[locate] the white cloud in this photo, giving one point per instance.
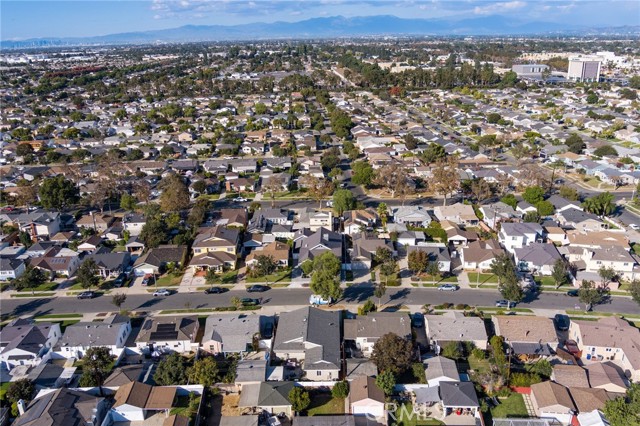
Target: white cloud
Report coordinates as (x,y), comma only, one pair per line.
(494,8)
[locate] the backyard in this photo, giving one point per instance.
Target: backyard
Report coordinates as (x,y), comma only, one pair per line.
(402,417)
(513,406)
(322,404)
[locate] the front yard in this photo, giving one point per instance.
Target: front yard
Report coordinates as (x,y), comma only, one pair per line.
(283,276)
(168,280)
(482,278)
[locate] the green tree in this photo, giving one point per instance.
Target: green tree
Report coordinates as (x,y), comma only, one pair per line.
(153,233)
(560,273)
(634,290)
(589,294)
(575,144)
(418,261)
(533,195)
(266,265)
(24,149)
(569,193)
(21,389)
(511,290)
(393,353)
(204,372)
(452,351)
(30,279)
(601,204)
(607,275)
(171,371)
(58,193)
(96,366)
(592,98)
(128,202)
(386,381)
(175,195)
(544,208)
(299,399)
(433,153)
(325,278)
(25,239)
(624,410)
(383,213)
(363,173)
(118,299)
(542,367)
(340,390)
(605,150)
(510,200)
(87,273)
(343,200)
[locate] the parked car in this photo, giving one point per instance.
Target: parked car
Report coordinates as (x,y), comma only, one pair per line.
(316,300)
(86,295)
(267,332)
(329,203)
(119,282)
(634,226)
(447,287)
(215,290)
(146,279)
(161,292)
(573,293)
(505,304)
(240,200)
(562,322)
(248,301)
(257,288)
(418,320)
(572,347)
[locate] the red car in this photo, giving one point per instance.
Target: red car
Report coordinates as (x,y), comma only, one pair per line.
(572,347)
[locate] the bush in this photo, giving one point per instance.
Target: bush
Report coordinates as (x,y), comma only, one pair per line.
(478,353)
(417,369)
(524,380)
(340,390)
(368,306)
(504,392)
(462,306)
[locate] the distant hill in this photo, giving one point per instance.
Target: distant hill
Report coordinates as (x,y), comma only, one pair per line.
(329,27)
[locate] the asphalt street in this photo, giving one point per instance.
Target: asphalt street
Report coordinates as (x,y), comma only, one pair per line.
(284,297)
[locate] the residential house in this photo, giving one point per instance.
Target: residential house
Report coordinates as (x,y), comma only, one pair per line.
(111,333)
(156,259)
(111,264)
(366,398)
(364,250)
(125,374)
(457,236)
(99,222)
(278,251)
(499,212)
(137,402)
(524,208)
(365,330)
(311,335)
(91,244)
(480,254)
(252,371)
(609,339)
(458,213)
(216,239)
(570,375)
(410,238)
(580,220)
(436,252)
(272,397)
(23,342)
(317,243)
(11,269)
(355,221)
(556,235)
(529,337)
(230,333)
(459,397)
(39,224)
(58,261)
(553,401)
(517,235)
(133,223)
(321,219)
(538,258)
(264,219)
(606,375)
(455,327)
(64,407)
(440,369)
(561,204)
(588,400)
(232,218)
(615,257)
(160,335)
(412,215)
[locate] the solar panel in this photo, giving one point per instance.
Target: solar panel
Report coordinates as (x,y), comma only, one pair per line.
(164,335)
(166,327)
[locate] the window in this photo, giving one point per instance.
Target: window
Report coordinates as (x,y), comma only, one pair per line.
(318,373)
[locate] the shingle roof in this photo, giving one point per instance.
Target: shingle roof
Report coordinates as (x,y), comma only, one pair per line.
(364,387)
(441,367)
(458,394)
(549,393)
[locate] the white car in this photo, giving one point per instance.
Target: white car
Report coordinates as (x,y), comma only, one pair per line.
(240,200)
(161,292)
(329,203)
(634,227)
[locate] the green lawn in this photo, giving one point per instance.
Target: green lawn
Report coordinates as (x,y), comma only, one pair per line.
(482,278)
(169,280)
(50,286)
(278,277)
(54,316)
(451,279)
(323,404)
(546,281)
(226,278)
(513,406)
(400,418)
(480,365)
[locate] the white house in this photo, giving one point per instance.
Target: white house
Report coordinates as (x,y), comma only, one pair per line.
(111,333)
(168,334)
(366,330)
(26,343)
(518,235)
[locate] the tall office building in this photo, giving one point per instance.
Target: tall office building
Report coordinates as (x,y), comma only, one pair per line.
(584,68)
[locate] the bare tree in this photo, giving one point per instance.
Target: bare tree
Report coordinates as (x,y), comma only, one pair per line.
(317,188)
(272,186)
(445,178)
(395,179)
(480,189)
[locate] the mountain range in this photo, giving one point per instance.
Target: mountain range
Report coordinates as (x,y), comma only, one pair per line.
(329,27)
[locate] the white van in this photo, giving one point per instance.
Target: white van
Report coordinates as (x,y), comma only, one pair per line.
(317,300)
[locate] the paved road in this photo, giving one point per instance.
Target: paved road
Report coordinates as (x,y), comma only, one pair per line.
(295,297)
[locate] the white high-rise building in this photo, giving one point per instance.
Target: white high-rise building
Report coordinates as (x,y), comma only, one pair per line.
(584,68)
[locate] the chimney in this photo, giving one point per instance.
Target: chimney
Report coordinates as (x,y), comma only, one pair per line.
(21,406)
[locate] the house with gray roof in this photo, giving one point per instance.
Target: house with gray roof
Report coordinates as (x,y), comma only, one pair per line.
(412,215)
(308,246)
(111,333)
(459,396)
(64,407)
(230,333)
(580,220)
(23,342)
(111,264)
(153,261)
(561,204)
(436,252)
(364,250)
(537,258)
(312,336)
(517,235)
(440,369)
(272,397)
(498,212)
(366,330)
(455,327)
(168,334)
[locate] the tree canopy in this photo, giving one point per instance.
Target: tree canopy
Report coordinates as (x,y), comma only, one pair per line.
(58,193)
(393,353)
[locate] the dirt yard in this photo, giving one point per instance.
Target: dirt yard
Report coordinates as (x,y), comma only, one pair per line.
(230,405)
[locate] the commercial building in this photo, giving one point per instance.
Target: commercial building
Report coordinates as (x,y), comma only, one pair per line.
(584,68)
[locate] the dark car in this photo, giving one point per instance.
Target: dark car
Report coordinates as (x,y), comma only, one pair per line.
(258,288)
(215,290)
(572,293)
(572,347)
(248,301)
(418,320)
(86,295)
(119,282)
(267,333)
(562,322)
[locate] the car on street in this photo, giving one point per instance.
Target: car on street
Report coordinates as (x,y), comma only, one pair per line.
(248,301)
(86,295)
(257,288)
(562,322)
(161,292)
(447,287)
(572,347)
(240,200)
(505,304)
(317,300)
(215,290)
(573,293)
(634,226)
(418,320)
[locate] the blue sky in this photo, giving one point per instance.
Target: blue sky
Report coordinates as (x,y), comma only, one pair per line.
(22,19)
